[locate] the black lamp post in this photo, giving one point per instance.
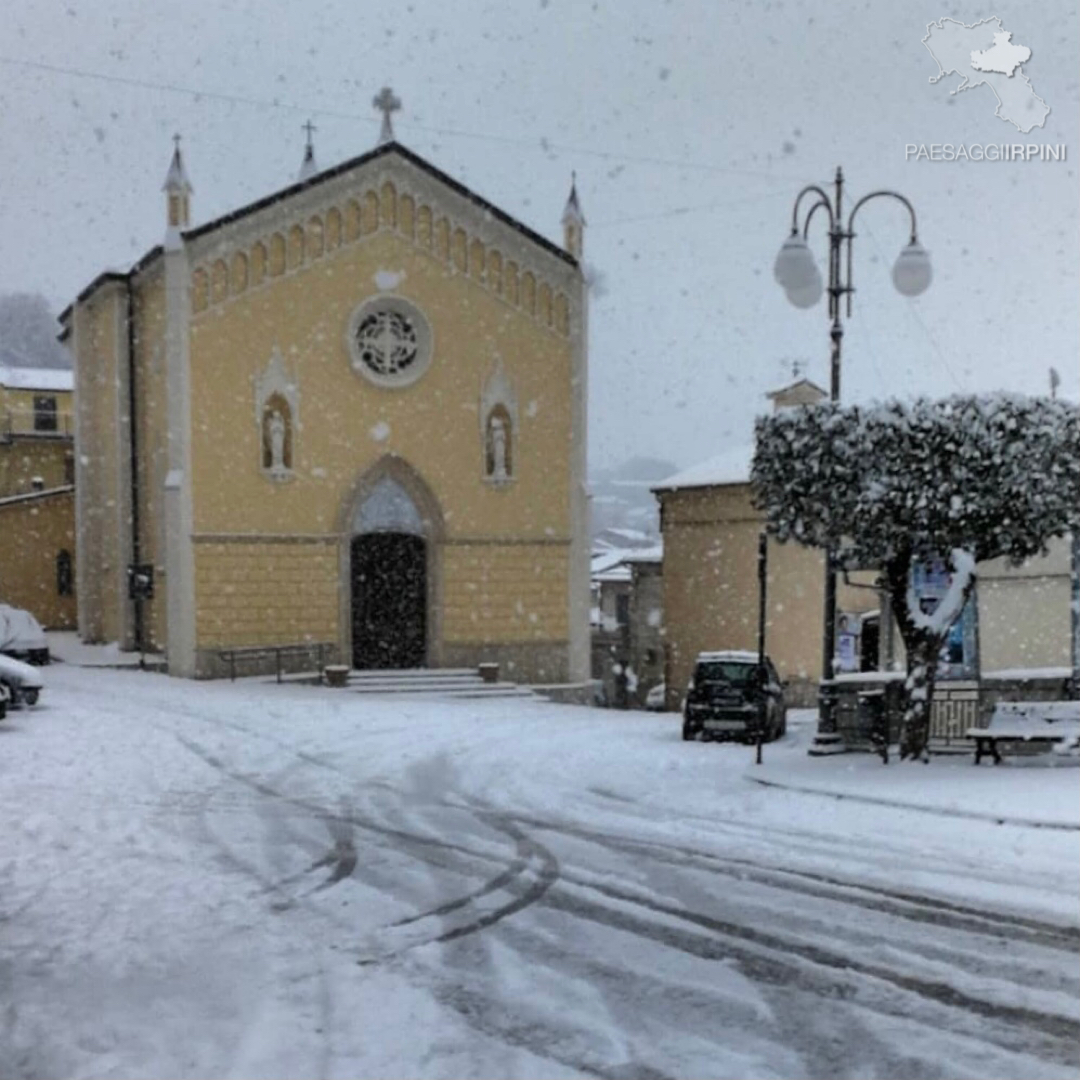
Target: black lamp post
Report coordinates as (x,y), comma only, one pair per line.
(798,273)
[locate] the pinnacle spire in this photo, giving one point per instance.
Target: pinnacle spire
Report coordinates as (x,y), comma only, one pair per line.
(572,212)
(177,188)
(176,179)
(573,222)
(308,168)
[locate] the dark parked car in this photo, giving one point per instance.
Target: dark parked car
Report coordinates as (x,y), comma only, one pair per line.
(725,694)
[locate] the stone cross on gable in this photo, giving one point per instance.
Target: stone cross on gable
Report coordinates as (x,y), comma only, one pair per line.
(387,102)
(310,128)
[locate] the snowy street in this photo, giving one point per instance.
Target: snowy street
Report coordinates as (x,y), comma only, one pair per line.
(258,880)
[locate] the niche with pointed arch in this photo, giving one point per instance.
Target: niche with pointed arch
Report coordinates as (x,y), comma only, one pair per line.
(498,428)
(277,405)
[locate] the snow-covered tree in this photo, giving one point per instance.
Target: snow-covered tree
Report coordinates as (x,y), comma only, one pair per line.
(959,480)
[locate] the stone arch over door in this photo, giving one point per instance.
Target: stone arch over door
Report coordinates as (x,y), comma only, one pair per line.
(392,499)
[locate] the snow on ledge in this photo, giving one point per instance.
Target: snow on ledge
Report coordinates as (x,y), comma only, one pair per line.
(1029,673)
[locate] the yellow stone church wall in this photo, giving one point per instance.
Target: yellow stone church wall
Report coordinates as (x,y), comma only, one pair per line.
(266,593)
(505,593)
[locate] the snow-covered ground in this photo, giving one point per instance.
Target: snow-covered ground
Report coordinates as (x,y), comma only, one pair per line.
(259,880)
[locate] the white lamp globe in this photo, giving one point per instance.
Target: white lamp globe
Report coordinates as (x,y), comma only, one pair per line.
(806,296)
(795,267)
(911,272)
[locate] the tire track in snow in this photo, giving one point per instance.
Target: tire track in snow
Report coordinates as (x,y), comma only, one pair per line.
(908,905)
(526,879)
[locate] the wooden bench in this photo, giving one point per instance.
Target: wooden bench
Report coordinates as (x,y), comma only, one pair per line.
(1026,721)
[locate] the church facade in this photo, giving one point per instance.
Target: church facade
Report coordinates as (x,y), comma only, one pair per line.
(353,413)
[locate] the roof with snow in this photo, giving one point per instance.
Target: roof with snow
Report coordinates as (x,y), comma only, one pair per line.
(27,378)
(798,385)
(373,155)
(730,467)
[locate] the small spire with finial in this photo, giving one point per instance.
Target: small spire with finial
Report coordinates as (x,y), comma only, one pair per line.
(177,188)
(573,221)
(308,168)
(387,102)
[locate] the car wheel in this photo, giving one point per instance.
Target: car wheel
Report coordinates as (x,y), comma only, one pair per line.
(7,692)
(688,733)
(31,696)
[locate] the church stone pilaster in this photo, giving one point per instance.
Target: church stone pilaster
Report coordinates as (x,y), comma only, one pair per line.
(179,551)
(581,540)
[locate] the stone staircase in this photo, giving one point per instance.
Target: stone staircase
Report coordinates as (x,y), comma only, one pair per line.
(434,683)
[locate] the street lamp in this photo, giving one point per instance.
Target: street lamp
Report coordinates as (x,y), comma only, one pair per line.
(798,274)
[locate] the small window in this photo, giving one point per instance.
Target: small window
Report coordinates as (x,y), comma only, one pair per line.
(69,468)
(65,585)
(622,609)
(44,412)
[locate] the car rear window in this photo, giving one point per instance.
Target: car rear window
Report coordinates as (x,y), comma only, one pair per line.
(734,672)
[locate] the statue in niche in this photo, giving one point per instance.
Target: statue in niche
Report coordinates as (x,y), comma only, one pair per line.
(498,445)
(277,437)
(277,441)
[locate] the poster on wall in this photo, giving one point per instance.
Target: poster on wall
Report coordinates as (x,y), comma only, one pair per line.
(958,658)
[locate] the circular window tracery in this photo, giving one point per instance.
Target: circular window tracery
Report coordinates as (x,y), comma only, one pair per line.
(389,341)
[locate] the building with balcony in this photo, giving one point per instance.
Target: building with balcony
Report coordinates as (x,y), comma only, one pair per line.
(37,500)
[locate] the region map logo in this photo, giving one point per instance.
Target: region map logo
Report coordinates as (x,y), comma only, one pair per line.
(984,54)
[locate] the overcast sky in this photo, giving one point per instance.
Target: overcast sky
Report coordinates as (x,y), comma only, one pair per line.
(691,126)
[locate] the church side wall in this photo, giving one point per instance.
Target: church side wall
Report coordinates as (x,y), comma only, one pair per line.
(98,323)
(151,435)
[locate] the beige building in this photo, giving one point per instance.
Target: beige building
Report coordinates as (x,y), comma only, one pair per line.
(710,531)
(36,429)
(37,509)
(352,412)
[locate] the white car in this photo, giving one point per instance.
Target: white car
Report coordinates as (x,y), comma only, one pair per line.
(21,636)
(21,682)
(654,699)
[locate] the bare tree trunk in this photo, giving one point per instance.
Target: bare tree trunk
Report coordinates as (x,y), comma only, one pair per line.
(922,660)
(923,646)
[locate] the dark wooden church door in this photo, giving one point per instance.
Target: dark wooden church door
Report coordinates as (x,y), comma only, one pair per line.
(389,600)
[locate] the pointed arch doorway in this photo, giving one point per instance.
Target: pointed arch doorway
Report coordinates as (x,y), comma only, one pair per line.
(392,570)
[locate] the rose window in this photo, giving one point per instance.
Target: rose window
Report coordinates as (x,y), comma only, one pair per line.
(389,341)
(386,342)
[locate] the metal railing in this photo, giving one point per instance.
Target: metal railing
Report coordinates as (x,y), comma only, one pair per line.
(317,649)
(41,425)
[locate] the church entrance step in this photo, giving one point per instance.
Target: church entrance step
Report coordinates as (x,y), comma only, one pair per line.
(432,682)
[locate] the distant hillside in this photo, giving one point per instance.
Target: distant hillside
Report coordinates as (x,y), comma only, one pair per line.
(622,499)
(28,332)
